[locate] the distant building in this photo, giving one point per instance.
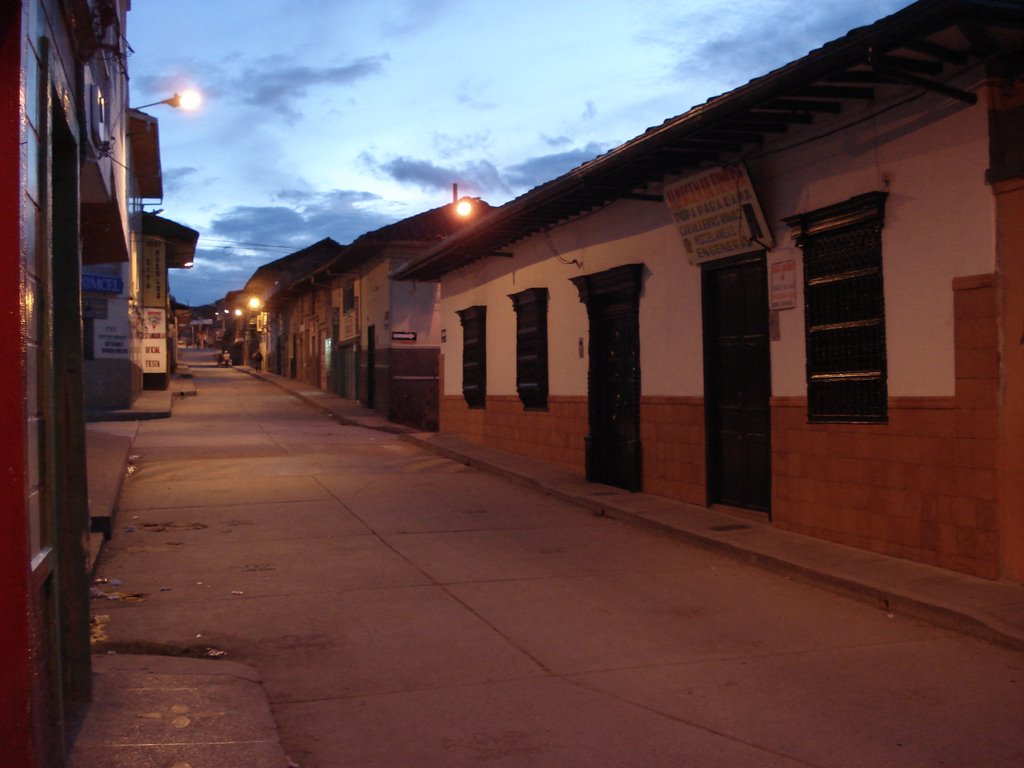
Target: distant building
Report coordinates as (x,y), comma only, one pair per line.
(801,300)
(346,328)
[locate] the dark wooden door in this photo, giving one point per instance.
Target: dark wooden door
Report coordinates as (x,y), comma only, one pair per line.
(371,367)
(615,428)
(738,384)
(613,442)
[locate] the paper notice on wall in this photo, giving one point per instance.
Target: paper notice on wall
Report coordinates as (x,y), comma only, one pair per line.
(782,284)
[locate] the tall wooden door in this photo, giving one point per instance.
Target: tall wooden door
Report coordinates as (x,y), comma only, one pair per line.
(737,373)
(371,367)
(613,443)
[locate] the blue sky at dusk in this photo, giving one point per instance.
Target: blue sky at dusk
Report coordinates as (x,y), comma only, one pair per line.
(330,118)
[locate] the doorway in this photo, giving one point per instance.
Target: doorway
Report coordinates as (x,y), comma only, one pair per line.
(737,382)
(371,366)
(613,454)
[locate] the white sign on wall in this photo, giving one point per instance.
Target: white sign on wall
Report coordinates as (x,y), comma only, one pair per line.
(154,322)
(154,355)
(782,284)
(717,214)
(110,337)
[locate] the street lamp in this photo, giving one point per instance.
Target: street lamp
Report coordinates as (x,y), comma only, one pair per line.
(187,100)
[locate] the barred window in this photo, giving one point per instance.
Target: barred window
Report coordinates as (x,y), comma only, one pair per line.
(474,355)
(531,308)
(844,310)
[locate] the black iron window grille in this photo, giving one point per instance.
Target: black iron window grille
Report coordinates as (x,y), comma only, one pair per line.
(531,308)
(844,310)
(474,355)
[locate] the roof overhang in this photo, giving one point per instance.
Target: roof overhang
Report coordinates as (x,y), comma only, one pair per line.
(144,141)
(180,241)
(104,239)
(920,47)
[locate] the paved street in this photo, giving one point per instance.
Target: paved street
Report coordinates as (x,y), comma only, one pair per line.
(407,610)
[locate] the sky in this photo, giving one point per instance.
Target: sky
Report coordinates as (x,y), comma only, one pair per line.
(332,118)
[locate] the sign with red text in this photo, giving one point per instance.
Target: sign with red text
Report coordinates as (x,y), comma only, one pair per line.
(782,285)
(717,214)
(154,355)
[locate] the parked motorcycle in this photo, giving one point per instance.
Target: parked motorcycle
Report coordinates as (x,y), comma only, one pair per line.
(224,359)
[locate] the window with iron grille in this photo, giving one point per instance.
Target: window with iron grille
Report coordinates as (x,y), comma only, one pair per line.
(474,355)
(531,308)
(844,310)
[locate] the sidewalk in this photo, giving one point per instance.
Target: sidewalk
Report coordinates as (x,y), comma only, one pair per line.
(162,710)
(108,440)
(990,610)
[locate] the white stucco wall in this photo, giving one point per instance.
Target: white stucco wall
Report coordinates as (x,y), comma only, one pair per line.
(930,153)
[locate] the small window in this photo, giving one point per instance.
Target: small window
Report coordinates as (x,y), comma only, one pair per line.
(348,298)
(531,308)
(844,310)
(474,355)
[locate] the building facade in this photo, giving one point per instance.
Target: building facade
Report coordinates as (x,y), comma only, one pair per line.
(799,300)
(345,327)
(62,89)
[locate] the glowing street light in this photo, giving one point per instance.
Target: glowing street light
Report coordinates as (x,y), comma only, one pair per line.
(463,208)
(188,100)
(254,303)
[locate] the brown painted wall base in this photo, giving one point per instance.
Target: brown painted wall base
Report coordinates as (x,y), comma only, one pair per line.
(921,487)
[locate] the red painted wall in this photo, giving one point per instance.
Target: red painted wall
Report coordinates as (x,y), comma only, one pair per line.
(15,740)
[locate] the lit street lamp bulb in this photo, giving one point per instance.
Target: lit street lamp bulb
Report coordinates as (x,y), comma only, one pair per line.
(189,100)
(238,313)
(463,208)
(255,303)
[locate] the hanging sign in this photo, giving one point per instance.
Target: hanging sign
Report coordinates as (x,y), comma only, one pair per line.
(102,284)
(154,273)
(717,214)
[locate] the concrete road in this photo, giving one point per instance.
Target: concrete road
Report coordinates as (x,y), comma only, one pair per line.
(405,610)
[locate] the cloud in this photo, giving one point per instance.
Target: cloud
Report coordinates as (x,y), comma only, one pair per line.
(243,238)
(483,177)
(415,16)
(277,83)
(478,175)
(446,145)
(470,94)
(301,219)
(538,170)
(768,33)
(175,179)
(217,271)
(274,84)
